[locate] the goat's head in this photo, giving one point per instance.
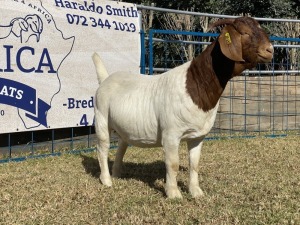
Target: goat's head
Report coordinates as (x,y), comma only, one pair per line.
(243,40)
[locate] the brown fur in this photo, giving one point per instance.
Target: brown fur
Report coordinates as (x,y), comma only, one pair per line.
(209,73)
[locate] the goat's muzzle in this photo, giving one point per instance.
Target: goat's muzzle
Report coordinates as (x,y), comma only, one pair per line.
(266,54)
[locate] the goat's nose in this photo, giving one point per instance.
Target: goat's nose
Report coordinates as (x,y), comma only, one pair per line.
(270,49)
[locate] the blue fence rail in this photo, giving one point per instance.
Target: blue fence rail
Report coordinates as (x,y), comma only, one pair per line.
(166,37)
(265,100)
(23,145)
(171,32)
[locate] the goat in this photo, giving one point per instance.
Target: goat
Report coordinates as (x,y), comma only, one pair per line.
(178,105)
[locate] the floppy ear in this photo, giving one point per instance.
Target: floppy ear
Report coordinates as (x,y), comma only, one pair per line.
(231,45)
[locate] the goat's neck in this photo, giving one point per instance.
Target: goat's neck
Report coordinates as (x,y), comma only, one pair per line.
(208,75)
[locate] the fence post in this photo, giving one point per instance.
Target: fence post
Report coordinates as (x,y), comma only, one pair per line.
(151,51)
(143,53)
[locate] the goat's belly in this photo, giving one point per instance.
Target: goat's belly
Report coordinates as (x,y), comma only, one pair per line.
(144,143)
(138,135)
(141,141)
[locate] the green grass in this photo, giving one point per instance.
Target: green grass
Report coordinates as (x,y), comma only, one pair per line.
(246,181)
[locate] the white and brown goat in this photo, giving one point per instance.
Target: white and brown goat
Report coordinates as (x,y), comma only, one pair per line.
(178,105)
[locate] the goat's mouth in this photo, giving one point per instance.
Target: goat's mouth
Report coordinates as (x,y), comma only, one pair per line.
(265,57)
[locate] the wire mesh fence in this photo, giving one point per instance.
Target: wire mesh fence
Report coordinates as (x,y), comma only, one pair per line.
(264,100)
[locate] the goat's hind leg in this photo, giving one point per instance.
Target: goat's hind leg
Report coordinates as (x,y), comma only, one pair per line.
(117,167)
(103,145)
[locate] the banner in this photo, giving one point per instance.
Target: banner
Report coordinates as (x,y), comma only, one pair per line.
(47,77)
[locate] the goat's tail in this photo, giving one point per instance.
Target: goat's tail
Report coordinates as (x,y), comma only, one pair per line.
(102,73)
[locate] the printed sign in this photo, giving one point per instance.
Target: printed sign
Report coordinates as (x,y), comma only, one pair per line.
(47,77)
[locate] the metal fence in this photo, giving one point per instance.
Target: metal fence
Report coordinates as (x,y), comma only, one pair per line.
(263,101)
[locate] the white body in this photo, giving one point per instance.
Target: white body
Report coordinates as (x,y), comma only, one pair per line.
(141,109)
(150,111)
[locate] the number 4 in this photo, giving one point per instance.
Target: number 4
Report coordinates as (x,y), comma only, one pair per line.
(83,120)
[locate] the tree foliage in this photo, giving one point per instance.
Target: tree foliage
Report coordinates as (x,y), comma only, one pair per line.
(287,9)
(256,8)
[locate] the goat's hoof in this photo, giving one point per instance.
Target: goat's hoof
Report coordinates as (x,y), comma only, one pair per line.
(173,193)
(106,181)
(116,174)
(196,192)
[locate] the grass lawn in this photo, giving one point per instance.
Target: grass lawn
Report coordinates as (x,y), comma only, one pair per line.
(245,181)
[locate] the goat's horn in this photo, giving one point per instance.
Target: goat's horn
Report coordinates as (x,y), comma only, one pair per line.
(221,22)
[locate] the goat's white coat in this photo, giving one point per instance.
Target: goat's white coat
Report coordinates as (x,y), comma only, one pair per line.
(158,111)
(149,111)
(141,108)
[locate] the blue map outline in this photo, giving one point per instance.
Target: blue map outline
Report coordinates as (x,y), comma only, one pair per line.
(72,37)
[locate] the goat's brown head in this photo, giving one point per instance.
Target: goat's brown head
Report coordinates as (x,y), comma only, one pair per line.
(243,40)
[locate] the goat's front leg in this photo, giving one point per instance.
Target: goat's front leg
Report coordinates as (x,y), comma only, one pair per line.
(172,165)
(194,147)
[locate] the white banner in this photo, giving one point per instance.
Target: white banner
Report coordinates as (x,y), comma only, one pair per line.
(47,77)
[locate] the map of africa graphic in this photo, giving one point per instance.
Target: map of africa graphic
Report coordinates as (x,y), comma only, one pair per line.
(32,51)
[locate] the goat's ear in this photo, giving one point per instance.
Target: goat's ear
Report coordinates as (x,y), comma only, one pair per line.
(231,45)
